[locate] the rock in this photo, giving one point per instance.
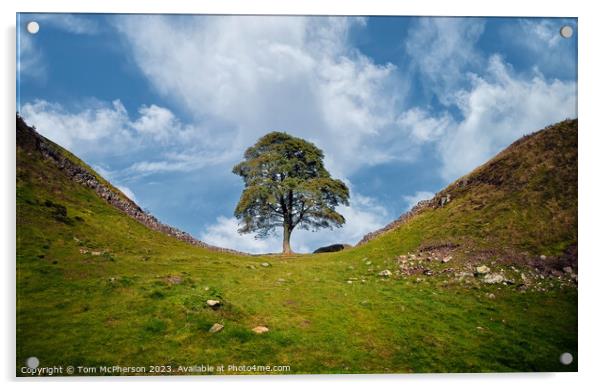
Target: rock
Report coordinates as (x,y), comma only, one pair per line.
(95,253)
(483,270)
(174,280)
(112,280)
(493,278)
(260,329)
(368,263)
(462,275)
(214,304)
(446,259)
(280,280)
(427,272)
(490,296)
(543,257)
(265,264)
(83,251)
(568,270)
(216,328)
(445,199)
(332,248)
(350,282)
(385,273)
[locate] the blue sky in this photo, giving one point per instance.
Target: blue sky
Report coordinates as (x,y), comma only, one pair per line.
(164,106)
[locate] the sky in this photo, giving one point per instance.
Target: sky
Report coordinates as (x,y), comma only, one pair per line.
(164,106)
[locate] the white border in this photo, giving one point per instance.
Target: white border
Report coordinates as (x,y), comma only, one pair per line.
(590,194)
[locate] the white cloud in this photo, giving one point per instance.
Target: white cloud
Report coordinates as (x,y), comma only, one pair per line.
(540,31)
(223,233)
(411,200)
(258,74)
(423,127)
(363,215)
(442,50)
(493,104)
(87,129)
(499,108)
(129,193)
(106,130)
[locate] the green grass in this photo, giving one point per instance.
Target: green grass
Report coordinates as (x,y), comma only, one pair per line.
(121,307)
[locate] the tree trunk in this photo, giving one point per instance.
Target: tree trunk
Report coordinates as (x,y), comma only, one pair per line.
(286,240)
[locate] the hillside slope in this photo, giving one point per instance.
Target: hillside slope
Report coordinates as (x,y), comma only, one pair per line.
(96,287)
(37,147)
(522,203)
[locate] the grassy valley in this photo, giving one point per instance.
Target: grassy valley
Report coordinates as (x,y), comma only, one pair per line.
(96,287)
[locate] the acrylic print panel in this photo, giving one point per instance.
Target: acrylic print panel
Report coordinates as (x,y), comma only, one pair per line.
(295,195)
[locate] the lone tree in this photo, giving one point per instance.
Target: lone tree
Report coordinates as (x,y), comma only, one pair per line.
(287,185)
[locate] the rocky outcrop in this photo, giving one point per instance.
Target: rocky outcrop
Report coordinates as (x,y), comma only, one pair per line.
(29,138)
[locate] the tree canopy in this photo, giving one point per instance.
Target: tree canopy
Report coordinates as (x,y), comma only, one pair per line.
(287,185)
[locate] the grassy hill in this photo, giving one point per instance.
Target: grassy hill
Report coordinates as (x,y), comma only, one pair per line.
(96,287)
(521,204)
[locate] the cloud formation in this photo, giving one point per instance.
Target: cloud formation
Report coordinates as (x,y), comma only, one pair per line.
(495,105)
(102,130)
(259,74)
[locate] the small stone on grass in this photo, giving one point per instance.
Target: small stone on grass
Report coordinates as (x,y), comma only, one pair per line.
(216,328)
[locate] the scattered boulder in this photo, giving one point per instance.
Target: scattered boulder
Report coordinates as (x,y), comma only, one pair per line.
(332,248)
(385,273)
(213,303)
(216,328)
(493,278)
(266,264)
(491,296)
(260,329)
(446,259)
(95,253)
(543,257)
(483,270)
